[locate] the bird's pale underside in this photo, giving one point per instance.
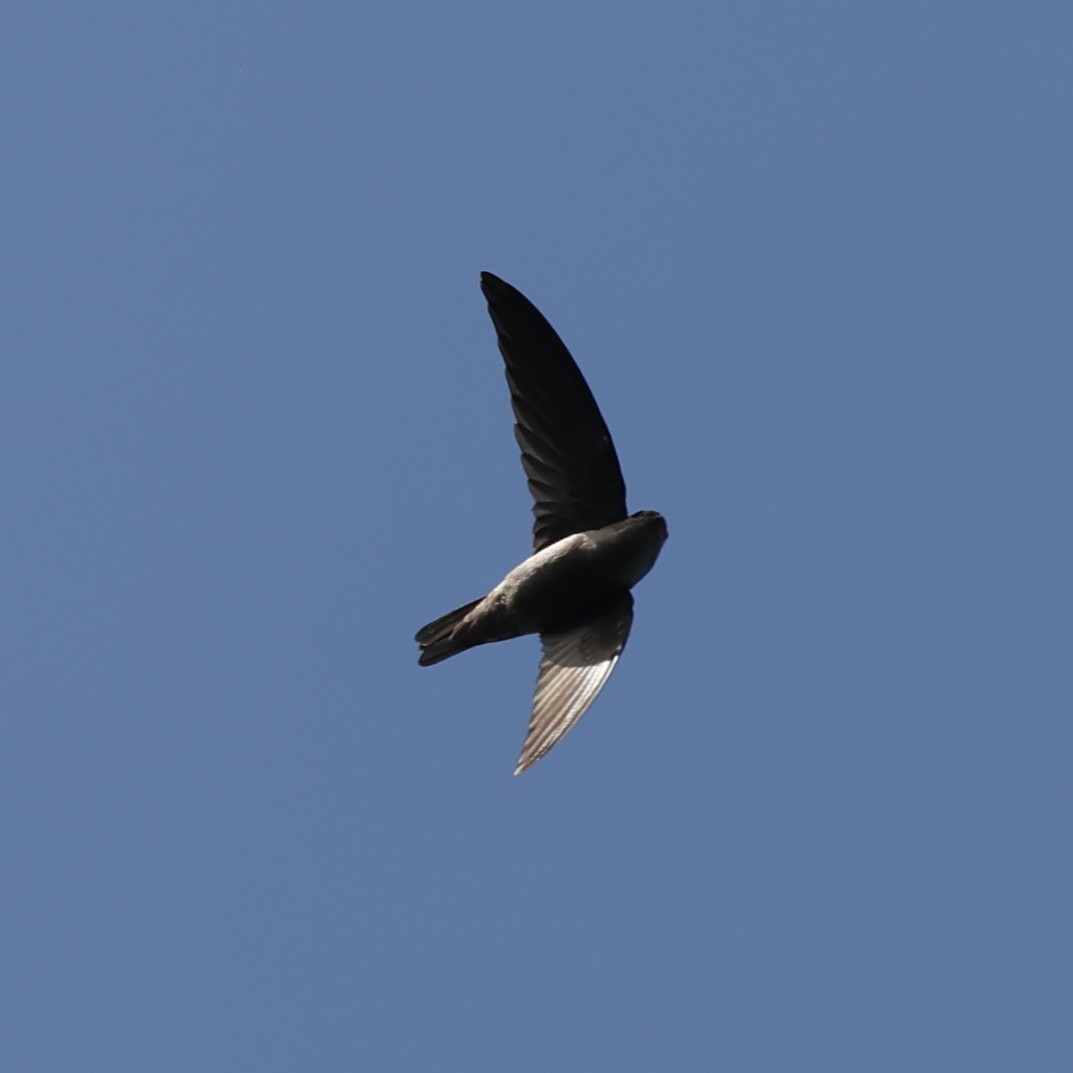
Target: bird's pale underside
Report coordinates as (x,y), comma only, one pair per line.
(574,591)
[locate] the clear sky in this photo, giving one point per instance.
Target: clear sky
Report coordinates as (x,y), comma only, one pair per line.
(815,261)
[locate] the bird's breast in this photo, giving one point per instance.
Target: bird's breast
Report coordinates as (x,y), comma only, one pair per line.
(555,584)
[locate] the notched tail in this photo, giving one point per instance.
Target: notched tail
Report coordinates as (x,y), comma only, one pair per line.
(438,641)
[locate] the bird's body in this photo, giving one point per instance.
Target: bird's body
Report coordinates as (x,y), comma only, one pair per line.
(575,589)
(557,587)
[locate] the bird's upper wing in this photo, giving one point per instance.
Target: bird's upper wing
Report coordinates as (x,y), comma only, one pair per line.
(567,452)
(575,665)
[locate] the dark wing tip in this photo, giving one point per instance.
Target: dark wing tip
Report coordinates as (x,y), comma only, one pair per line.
(496,289)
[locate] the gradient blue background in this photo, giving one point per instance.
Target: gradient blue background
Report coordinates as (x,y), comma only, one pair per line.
(815,261)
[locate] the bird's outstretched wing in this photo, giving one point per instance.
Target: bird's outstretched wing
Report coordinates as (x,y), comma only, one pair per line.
(575,665)
(567,452)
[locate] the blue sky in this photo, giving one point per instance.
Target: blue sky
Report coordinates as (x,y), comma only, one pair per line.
(815,262)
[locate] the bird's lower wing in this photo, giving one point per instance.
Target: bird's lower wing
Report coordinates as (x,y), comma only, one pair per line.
(575,665)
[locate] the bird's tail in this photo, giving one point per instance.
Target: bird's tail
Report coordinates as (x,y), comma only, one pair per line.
(438,640)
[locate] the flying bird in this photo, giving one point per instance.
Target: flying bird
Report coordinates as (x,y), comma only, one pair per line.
(574,590)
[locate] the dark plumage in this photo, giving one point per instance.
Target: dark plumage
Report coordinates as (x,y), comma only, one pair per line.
(588,553)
